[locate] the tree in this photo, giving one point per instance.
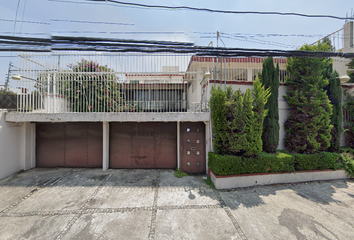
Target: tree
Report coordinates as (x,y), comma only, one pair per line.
(270,80)
(238,119)
(334,92)
(308,128)
(90,87)
(351,73)
(218,115)
(349,133)
(328,41)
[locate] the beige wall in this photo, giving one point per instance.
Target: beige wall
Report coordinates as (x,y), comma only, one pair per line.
(17,146)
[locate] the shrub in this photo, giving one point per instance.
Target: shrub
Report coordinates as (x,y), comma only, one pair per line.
(238,119)
(270,80)
(279,162)
(334,92)
(308,128)
(322,161)
(347,163)
(224,164)
(218,116)
(263,163)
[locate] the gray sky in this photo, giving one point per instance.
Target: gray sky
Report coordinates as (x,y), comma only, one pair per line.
(182,25)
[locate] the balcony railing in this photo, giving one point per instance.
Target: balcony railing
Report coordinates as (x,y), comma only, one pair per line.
(91,92)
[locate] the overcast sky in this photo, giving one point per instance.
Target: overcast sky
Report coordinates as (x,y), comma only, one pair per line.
(174,25)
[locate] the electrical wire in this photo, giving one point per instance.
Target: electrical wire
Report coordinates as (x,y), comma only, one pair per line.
(90,22)
(163,7)
(118,45)
(259,41)
(23,14)
(9,20)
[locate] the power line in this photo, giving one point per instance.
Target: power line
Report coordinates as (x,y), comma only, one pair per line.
(23,14)
(77,21)
(126,46)
(9,20)
(259,40)
(216,10)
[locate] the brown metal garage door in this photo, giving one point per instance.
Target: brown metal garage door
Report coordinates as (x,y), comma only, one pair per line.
(143,145)
(69,144)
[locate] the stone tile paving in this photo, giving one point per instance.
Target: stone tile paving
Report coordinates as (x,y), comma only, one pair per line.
(153,204)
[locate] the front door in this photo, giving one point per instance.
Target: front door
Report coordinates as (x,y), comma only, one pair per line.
(192,149)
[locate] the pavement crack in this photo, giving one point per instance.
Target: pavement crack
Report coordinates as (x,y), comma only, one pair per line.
(82,209)
(229,214)
(3,212)
(156,183)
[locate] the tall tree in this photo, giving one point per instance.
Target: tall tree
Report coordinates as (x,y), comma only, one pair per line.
(270,80)
(334,92)
(351,73)
(308,128)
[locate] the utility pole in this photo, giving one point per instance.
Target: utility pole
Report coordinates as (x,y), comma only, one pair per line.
(217,38)
(8,77)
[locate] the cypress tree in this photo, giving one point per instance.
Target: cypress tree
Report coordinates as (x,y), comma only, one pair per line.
(218,116)
(334,92)
(270,80)
(308,128)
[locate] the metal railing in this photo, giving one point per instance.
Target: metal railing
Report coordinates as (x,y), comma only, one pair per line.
(65,92)
(64,82)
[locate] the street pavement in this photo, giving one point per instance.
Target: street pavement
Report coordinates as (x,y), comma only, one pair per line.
(68,203)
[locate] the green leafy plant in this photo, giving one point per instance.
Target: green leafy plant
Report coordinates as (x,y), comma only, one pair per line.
(9,92)
(178,173)
(273,163)
(347,163)
(270,80)
(334,92)
(91,87)
(350,73)
(209,182)
(349,128)
(308,128)
(218,114)
(238,119)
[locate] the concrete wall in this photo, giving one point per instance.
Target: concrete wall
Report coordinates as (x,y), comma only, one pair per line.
(348,33)
(17,146)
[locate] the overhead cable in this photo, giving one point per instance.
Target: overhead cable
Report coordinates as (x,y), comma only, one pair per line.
(123,45)
(221,11)
(91,22)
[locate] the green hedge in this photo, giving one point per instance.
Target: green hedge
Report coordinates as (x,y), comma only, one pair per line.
(321,161)
(272,163)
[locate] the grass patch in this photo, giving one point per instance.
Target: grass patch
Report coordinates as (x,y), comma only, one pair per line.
(209,182)
(178,173)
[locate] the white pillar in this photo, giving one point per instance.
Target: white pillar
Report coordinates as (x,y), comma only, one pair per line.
(178,144)
(249,74)
(54,94)
(28,147)
(105,157)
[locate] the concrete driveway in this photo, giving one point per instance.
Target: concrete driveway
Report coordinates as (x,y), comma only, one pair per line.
(153,204)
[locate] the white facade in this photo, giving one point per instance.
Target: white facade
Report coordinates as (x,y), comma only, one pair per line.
(17,146)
